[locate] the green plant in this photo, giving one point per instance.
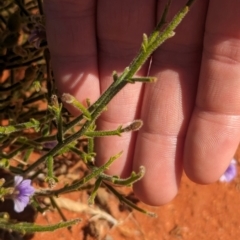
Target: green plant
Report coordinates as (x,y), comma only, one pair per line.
(50,130)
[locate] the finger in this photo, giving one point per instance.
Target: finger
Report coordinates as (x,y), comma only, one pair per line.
(167,107)
(71,39)
(214,132)
(121,25)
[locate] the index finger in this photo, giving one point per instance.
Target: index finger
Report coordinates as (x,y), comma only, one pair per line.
(70,27)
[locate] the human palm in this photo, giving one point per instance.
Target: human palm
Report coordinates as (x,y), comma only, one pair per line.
(191,114)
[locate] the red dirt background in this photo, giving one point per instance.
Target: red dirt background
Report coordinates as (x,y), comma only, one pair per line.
(198,212)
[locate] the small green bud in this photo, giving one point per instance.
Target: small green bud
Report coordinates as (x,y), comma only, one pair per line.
(2,181)
(115,76)
(54,102)
(4,163)
(66,97)
(37,86)
(52,181)
(134,126)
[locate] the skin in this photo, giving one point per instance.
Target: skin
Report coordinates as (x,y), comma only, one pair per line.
(191,114)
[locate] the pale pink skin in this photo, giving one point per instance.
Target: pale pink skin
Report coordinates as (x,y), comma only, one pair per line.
(191,114)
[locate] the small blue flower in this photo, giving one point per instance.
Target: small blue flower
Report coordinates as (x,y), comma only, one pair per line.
(22,193)
(50,145)
(230,173)
(37,35)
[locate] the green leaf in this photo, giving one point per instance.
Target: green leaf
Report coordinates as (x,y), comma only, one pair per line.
(25,227)
(4,163)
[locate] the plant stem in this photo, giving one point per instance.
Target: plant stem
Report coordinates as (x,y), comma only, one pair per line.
(40,6)
(117,85)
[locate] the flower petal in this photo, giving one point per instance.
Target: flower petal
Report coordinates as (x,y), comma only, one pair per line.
(17,180)
(19,205)
(23,199)
(25,183)
(32,37)
(230,172)
(29,191)
(50,145)
(25,188)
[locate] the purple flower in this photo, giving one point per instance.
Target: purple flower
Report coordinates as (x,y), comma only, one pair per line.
(50,145)
(37,35)
(230,173)
(22,193)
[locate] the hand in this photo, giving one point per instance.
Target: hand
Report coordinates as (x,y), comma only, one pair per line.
(191,114)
